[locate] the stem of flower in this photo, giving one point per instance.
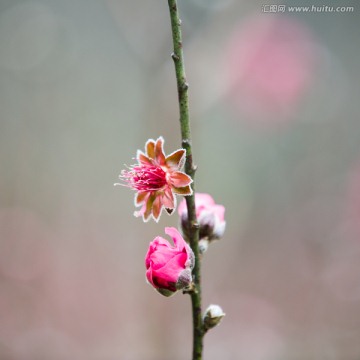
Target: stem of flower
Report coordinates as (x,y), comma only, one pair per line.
(182,87)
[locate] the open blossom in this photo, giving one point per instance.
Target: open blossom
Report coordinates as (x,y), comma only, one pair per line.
(156,178)
(168,268)
(211,218)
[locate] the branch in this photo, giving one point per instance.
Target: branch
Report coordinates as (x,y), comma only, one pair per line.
(182,87)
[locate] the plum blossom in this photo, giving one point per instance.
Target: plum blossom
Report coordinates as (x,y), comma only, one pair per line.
(211,218)
(168,268)
(156,179)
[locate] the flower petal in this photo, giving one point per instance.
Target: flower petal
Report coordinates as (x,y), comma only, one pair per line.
(143,159)
(156,208)
(159,152)
(140,197)
(150,148)
(178,240)
(149,276)
(168,199)
(219,211)
(176,160)
(148,207)
(179,179)
(170,272)
(161,256)
(186,190)
(203,199)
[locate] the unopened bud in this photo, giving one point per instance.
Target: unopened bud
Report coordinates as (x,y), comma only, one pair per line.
(213,316)
(210,217)
(168,267)
(211,226)
(203,245)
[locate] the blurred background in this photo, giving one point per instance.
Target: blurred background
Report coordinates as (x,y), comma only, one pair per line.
(276,137)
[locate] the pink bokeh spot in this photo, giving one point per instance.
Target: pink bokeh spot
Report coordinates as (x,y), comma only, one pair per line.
(270,63)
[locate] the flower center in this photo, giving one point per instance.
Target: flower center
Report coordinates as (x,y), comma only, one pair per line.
(145,178)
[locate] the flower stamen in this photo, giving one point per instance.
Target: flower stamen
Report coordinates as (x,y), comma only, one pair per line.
(145,178)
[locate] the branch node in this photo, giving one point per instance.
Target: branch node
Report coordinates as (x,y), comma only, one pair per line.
(186,142)
(184,86)
(191,289)
(195,225)
(175,57)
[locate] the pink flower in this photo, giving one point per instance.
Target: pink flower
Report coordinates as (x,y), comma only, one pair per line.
(168,268)
(156,178)
(210,217)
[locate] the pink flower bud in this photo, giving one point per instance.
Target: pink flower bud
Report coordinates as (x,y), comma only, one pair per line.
(169,267)
(210,217)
